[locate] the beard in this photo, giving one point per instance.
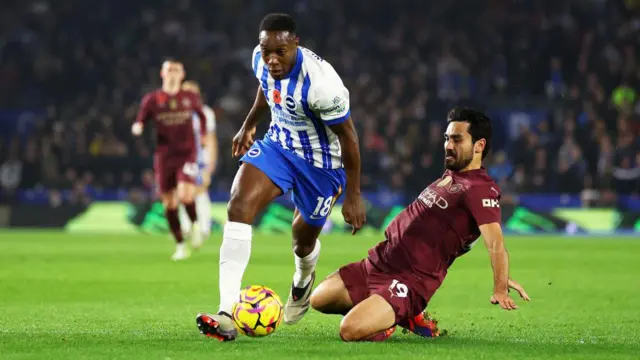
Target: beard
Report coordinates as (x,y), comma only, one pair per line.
(459,161)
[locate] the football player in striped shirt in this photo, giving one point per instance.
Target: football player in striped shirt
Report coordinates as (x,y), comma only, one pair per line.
(310,149)
(207,158)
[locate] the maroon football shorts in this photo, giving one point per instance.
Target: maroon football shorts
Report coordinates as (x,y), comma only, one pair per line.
(173,169)
(362,280)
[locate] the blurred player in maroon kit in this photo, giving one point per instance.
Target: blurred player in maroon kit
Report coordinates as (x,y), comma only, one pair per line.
(394,284)
(171,110)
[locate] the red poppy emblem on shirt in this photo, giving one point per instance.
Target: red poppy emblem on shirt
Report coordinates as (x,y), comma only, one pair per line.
(277,97)
(161,98)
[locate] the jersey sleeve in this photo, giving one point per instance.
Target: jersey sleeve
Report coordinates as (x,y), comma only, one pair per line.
(483,201)
(144,112)
(331,102)
(199,110)
(211,118)
(256,58)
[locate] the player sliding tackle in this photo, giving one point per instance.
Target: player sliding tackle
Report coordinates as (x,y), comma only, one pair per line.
(207,159)
(393,285)
(311,136)
(174,161)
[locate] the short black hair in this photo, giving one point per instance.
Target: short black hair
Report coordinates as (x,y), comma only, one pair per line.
(278,22)
(479,125)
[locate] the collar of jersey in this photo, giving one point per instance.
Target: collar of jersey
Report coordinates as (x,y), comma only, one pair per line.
(295,71)
(464,173)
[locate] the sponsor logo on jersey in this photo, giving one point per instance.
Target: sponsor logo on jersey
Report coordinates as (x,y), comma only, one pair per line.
(490,203)
(339,106)
(430,198)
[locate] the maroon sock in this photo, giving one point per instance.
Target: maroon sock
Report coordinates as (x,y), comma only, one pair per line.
(377,337)
(381,336)
(174,224)
(191,211)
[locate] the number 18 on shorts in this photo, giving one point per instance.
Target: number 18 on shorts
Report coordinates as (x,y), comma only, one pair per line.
(314,190)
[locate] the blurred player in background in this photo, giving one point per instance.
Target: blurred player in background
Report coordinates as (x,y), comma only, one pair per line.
(175,166)
(207,160)
(311,148)
(394,284)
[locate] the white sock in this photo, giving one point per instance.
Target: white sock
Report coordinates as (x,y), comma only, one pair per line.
(185,222)
(203,208)
(305,267)
(234,257)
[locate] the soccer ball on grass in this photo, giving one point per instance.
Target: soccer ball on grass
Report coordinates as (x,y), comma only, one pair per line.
(258,312)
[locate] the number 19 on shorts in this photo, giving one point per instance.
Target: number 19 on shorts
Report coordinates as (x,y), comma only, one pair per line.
(323,208)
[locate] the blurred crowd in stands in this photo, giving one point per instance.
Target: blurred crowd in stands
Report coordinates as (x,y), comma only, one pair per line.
(74,72)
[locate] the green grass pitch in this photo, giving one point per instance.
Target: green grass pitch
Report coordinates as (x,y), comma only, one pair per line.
(65,296)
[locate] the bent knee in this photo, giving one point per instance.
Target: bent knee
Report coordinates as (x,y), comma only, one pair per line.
(169,202)
(319,299)
(240,210)
(186,193)
(330,297)
(186,199)
(350,331)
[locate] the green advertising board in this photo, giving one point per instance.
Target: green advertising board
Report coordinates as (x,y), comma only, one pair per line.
(123,217)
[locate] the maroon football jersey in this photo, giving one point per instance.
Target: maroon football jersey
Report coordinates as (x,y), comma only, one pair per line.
(173,119)
(440,225)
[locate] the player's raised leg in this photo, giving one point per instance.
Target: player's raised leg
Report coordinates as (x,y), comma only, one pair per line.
(251,192)
(306,251)
(315,193)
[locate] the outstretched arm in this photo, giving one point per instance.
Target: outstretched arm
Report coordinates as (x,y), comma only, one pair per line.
(493,239)
(484,203)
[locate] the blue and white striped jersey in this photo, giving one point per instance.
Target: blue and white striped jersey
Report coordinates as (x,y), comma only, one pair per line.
(211,127)
(211,120)
(303,106)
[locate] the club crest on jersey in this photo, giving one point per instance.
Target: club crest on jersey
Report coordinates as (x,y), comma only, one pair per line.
(173,104)
(444,182)
(186,102)
(277,97)
(454,188)
(254,152)
(290,103)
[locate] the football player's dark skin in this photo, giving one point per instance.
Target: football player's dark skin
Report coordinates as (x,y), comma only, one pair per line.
(252,190)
